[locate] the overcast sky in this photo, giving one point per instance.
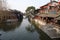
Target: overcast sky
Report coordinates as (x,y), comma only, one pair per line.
(23,4)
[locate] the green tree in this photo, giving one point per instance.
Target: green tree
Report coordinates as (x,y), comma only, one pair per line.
(30,11)
(30,8)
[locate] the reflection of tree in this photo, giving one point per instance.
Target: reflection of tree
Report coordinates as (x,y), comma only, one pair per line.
(30,28)
(11,26)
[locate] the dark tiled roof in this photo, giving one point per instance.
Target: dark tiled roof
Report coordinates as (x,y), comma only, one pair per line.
(47,4)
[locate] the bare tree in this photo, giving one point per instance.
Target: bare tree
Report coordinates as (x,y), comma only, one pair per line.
(3,5)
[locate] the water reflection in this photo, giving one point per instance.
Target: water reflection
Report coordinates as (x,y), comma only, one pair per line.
(42,35)
(25,31)
(30,28)
(9,26)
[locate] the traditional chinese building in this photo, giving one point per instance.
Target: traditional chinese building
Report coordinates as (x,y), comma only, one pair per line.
(5,13)
(51,7)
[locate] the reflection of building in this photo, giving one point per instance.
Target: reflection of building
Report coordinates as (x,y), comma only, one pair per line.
(10,26)
(51,7)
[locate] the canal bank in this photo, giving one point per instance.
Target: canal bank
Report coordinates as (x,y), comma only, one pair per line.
(51,31)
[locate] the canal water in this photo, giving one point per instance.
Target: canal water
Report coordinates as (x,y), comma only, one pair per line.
(18,31)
